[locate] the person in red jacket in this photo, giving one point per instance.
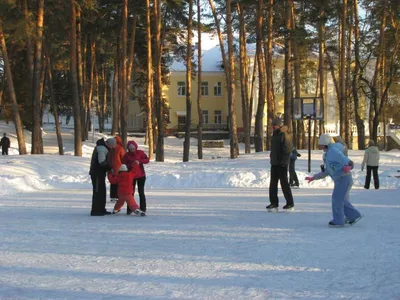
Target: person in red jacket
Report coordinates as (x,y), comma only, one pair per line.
(125,189)
(114,159)
(137,157)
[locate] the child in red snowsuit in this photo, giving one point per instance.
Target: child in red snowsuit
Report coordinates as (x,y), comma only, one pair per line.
(125,189)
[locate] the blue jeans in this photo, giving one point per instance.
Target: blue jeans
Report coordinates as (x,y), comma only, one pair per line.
(341,206)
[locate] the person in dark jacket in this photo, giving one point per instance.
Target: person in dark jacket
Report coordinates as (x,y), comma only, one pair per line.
(281,147)
(98,170)
(293,180)
(5,144)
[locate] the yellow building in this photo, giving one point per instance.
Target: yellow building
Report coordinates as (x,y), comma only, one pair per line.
(214,100)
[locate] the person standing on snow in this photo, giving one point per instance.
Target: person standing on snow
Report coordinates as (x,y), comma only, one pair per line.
(371,158)
(138,157)
(339,139)
(124,180)
(293,180)
(98,170)
(114,158)
(338,167)
(5,144)
(281,147)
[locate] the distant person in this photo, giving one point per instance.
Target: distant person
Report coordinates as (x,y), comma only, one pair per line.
(339,139)
(281,147)
(5,144)
(98,170)
(371,159)
(123,179)
(293,180)
(114,158)
(138,157)
(338,167)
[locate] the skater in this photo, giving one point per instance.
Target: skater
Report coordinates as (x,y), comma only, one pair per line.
(124,181)
(281,148)
(98,170)
(338,167)
(135,156)
(293,180)
(5,144)
(114,158)
(371,159)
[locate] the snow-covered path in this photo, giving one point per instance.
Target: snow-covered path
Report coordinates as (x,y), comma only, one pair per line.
(198,244)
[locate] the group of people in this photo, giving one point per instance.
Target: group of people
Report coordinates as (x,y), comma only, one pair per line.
(336,164)
(124,171)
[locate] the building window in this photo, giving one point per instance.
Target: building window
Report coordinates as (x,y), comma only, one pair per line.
(218,89)
(218,117)
(204,88)
(181,88)
(205,116)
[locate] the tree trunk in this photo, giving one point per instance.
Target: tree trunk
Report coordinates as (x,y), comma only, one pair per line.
(297,80)
(149,103)
(186,143)
(80,70)
(37,141)
(342,73)
(288,66)
(89,100)
(114,95)
(244,78)
(321,58)
(104,97)
(124,98)
(158,83)
(54,105)
(29,49)
(359,120)
(234,144)
(349,110)
(10,84)
(259,121)
(74,83)
(97,99)
(270,75)
(199,79)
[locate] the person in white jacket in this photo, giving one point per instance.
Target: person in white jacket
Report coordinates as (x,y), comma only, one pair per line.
(371,159)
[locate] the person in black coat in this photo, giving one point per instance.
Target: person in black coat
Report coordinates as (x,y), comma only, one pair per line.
(281,148)
(98,171)
(5,144)
(293,181)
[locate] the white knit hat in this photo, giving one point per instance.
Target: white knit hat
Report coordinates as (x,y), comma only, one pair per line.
(325,140)
(123,168)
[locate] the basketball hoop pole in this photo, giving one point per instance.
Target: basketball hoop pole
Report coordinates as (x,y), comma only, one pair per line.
(311,108)
(309,144)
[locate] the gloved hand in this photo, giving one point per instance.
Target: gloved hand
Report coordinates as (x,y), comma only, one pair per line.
(347,169)
(309,179)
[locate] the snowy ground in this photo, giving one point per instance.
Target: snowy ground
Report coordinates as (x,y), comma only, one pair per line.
(207,234)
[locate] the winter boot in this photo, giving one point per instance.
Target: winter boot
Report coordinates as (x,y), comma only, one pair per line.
(272,208)
(288,207)
(138,212)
